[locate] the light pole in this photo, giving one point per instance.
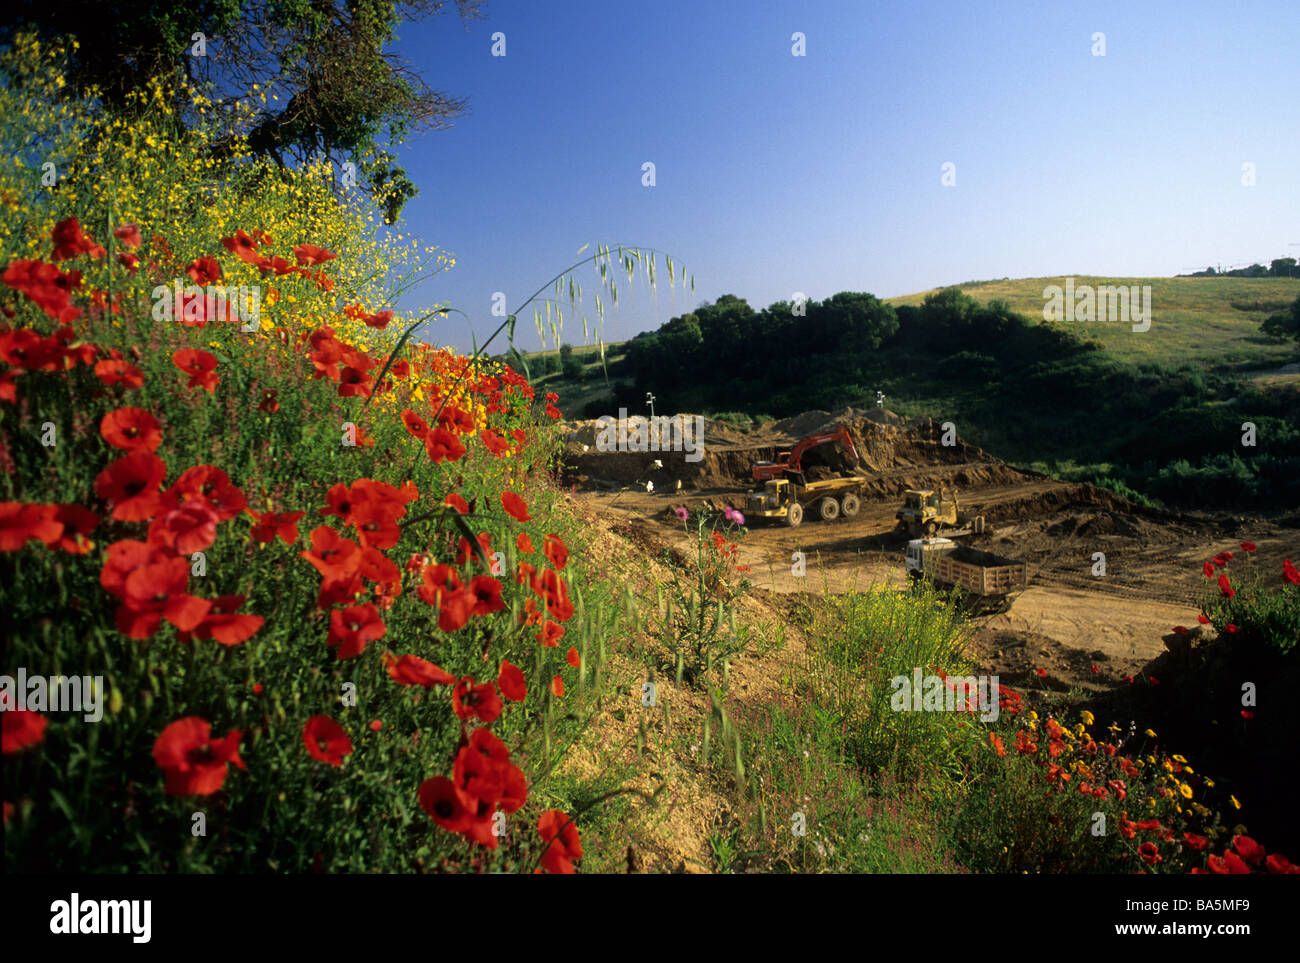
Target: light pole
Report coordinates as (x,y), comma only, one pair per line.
(650,400)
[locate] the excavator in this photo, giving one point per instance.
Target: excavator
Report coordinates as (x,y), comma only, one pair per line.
(790,464)
(785,490)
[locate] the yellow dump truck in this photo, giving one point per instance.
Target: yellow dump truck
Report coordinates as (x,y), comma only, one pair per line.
(788,500)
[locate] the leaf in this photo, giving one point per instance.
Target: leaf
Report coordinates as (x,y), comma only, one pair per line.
(581,249)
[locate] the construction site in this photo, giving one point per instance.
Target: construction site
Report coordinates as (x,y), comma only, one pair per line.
(1085,587)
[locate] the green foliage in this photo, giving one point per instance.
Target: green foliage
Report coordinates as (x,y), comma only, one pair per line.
(1265,621)
(340,94)
(1284,326)
(698,624)
(570,364)
(865,641)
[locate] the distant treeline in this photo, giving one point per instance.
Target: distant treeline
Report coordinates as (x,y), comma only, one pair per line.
(1282,267)
(1028,392)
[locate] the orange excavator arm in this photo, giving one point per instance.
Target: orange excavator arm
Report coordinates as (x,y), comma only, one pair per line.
(793,461)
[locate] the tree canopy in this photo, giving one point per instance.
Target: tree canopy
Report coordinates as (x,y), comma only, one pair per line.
(340,93)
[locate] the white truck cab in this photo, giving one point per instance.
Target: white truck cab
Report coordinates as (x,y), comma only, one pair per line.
(919,550)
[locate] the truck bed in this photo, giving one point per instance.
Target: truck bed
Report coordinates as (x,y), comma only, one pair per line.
(980,572)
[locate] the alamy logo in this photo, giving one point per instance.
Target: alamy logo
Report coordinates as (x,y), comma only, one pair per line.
(75,916)
(946,693)
(1128,305)
(56,693)
(638,433)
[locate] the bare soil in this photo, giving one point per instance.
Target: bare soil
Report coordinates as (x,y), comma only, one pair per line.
(1083,630)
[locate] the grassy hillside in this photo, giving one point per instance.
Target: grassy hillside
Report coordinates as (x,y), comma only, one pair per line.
(1212,321)
(1156,412)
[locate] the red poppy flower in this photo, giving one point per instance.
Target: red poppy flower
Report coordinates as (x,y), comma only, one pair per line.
(510,681)
(47,287)
(468,699)
(77,523)
(112,370)
(244,248)
(1249,850)
(20,728)
(1248,546)
(556,551)
(487,595)
(557,687)
(438,798)
(130,484)
(376,725)
(129,235)
(1095,670)
(155,591)
(524,543)
(442,445)
(553,588)
(1279,864)
(1208,569)
(553,412)
(227,625)
(69,241)
(1194,842)
(211,485)
(416,425)
(1150,853)
(200,366)
(493,442)
(564,845)
(309,255)
(194,763)
(335,557)
(515,506)
(270,402)
(412,670)
(457,502)
(1247,714)
(188,529)
(1225,587)
(204,270)
(550,634)
(131,429)
(1200,617)
(1230,864)
(20,522)
(270,524)
(552,396)
(326,740)
(351,628)
(573,658)
(1289,572)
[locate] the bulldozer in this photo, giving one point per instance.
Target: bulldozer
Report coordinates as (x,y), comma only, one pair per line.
(924,512)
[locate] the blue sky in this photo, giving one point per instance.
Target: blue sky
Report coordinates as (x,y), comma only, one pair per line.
(778,174)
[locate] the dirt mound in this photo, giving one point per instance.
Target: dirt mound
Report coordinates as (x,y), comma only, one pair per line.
(896,453)
(1098,523)
(810,422)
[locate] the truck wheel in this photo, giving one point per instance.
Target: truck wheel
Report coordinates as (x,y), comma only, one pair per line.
(849,505)
(795,515)
(829,509)
(931,528)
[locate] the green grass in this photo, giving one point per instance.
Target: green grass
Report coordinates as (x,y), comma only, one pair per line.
(1193,318)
